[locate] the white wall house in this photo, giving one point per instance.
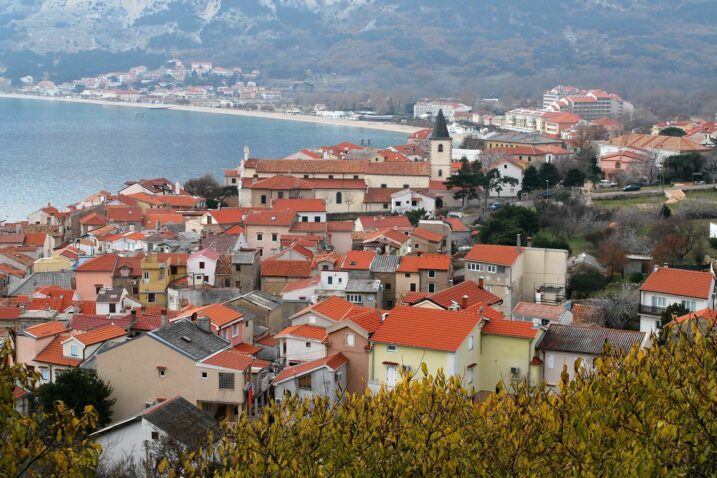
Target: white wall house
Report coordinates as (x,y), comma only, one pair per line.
(668,286)
(407,200)
(201,267)
(301,343)
(513,168)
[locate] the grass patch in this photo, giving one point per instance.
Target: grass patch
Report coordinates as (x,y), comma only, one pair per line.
(578,245)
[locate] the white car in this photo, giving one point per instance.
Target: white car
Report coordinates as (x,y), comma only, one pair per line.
(604,183)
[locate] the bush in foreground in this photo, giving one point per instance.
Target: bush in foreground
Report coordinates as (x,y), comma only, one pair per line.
(650,413)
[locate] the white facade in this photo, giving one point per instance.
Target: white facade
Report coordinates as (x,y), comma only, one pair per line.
(127,442)
(407,200)
(511,170)
(301,349)
(655,302)
(201,270)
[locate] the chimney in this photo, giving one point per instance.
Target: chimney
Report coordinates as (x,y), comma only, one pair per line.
(464,301)
(246,153)
(204,324)
(655,268)
(517,242)
(163,321)
(177,188)
(383,316)
(480,283)
(530,241)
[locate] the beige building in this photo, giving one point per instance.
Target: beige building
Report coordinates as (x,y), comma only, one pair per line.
(515,274)
(179,359)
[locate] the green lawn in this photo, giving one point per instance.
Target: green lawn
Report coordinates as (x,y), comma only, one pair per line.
(578,245)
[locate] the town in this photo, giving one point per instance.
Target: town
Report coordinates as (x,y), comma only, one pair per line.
(496,248)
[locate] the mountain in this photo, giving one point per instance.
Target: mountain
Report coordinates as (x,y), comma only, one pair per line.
(427,44)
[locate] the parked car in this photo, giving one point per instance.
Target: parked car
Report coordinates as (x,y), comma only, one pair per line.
(546,194)
(495,205)
(604,183)
(632,187)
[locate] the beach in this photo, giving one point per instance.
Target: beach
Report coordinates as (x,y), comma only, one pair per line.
(392,127)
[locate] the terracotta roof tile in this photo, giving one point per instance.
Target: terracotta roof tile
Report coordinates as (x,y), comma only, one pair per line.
(248,349)
(384,222)
(52,354)
(45,330)
(682,282)
(475,293)
(303,331)
(491,254)
(231,359)
(277,268)
(270,218)
(105,263)
(298,166)
(358,260)
(332,362)
(426,328)
(101,334)
(510,328)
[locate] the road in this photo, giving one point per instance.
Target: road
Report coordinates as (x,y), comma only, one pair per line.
(649,192)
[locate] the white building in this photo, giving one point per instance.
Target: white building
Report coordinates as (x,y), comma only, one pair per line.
(408,200)
(430,108)
(201,267)
(667,286)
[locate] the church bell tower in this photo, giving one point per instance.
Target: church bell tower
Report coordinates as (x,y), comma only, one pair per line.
(441,149)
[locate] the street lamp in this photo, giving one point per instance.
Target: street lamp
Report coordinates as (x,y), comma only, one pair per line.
(547,190)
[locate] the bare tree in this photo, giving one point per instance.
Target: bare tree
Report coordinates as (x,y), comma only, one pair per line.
(618,309)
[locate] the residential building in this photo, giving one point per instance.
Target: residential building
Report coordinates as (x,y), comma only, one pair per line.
(410,336)
(516,273)
(589,104)
(432,108)
(227,322)
(201,267)
(351,338)
(657,148)
(666,286)
(276,274)
(429,273)
(562,345)
(383,268)
(321,377)
(94,275)
(246,270)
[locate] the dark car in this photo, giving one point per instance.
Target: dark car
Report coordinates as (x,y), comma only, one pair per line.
(495,205)
(632,187)
(546,194)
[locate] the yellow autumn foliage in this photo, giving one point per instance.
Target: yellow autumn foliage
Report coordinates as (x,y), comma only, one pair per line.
(650,413)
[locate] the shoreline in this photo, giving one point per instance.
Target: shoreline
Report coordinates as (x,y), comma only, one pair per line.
(389,127)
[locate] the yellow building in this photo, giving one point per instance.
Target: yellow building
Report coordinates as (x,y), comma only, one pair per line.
(410,336)
(55,263)
(158,272)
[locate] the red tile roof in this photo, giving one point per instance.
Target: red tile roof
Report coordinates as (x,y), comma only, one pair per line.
(18,239)
(384,222)
(648,141)
(358,260)
(93,219)
(178,201)
(151,217)
(228,216)
(510,328)
(491,254)
(8,269)
(310,332)
(334,308)
(124,214)
(298,166)
(52,354)
(300,284)
(277,268)
(456,224)
(681,282)
(424,262)
(234,231)
(270,218)
(427,235)
(248,349)
(10,313)
(268,340)
(281,182)
(332,362)
(105,263)
(85,322)
(101,334)
(708,314)
(219,314)
(47,329)
(426,328)
(476,294)
(231,359)
(35,239)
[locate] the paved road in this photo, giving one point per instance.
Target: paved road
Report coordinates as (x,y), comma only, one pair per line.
(649,192)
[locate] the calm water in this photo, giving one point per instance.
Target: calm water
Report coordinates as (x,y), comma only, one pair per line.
(63,152)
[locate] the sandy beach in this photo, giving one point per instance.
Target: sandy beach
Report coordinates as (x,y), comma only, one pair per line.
(393,127)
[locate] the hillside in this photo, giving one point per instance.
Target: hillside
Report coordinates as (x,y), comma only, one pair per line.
(393,43)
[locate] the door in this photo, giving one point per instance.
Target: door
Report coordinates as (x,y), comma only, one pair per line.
(391,375)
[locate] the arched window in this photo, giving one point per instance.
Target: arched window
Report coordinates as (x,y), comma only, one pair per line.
(440,148)
(440,173)
(339,197)
(617,164)
(439,203)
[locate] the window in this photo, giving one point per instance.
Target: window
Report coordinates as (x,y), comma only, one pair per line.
(98,288)
(45,372)
(201,265)
(690,305)
(308,345)
(470,342)
(330,280)
(397,203)
(281,194)
(339,197)
(472,266)
(73,350)
(205,375)
(384,186)
(413,287)
(489,288)
(263,198)
(274,236)
(440,173)
(234,180)
(350,340)
(469,376)
(312,319)
(259,236)
(356,176)
(305,382)
(317,218)
(416,246)
(151,297)
(304,218)
(406,186)
(388,286)
(162,372)
(385,205)
(389,304)
(235,330)
(431,274)
(391,375)
(354,298)
(331,176)
(617,164)
(659,301)
(551,361)
(325,267)
(155,435)
(505,166)
(440,148)
(135,290)
(406,275)
(226,381)
(390,348)
(306,176)
(113,308)
(431,287)
(491,268)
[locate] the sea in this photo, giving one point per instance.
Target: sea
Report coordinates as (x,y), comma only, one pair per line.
(60,153)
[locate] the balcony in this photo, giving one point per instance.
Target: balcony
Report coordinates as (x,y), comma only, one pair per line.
(651,309)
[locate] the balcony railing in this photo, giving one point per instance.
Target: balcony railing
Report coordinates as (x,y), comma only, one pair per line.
(651,309)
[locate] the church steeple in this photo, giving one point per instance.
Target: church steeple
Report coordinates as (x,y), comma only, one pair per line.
(441,147)
(440,129)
